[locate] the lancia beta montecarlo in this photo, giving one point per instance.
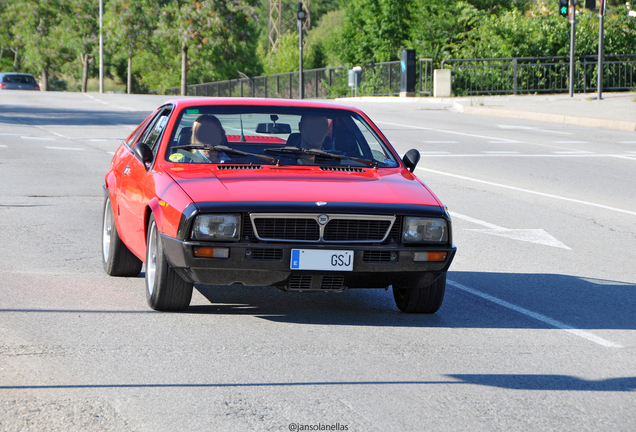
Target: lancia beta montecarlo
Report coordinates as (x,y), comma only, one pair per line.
(298,195)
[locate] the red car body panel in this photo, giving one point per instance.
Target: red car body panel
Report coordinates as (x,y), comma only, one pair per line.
(303,184)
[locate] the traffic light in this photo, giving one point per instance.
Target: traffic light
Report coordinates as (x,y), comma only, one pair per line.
(563,7)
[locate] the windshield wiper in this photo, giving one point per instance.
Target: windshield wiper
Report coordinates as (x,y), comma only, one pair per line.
(303,151)
(226,150)
(322,154)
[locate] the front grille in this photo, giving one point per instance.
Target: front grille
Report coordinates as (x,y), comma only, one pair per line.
(396,231)
(346,230)
(265,254)
(335,228)
(287,229)
(316,283)
(248,230)
(300,283)
(376,256)
(332,283)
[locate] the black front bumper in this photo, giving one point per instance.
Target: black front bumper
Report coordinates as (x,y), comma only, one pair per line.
(265,265)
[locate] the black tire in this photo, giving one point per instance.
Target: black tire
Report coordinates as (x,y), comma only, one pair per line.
(165,289)
(117,258)
(426,299)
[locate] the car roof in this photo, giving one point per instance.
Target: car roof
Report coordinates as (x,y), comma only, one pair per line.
(261,102)
(15,73)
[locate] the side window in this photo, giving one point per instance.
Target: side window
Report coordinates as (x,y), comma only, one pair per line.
(153,133)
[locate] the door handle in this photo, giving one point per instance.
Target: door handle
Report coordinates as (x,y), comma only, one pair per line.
(126,170)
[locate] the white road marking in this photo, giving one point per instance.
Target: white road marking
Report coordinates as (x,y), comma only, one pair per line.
(627,142)
(534,129)
(57,134)
(572,152)
(441,142)
(434,153)
(97,139)
(112,153)
(65,148)
(538,236)
(591,204)
(499,140)
(537,316)
(446,131)
(571,142)
(500,152)
(631,152)
(3,146)
(38,138)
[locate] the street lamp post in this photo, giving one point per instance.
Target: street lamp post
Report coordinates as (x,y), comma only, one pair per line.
(599,78)
(302,16)
(101,47)
(572,36)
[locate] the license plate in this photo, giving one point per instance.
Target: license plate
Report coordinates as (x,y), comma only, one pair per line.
(329,260)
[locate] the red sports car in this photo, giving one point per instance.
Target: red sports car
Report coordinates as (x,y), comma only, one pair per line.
(299,195)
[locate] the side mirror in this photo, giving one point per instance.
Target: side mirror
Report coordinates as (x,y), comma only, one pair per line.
(143,153)
(411,158)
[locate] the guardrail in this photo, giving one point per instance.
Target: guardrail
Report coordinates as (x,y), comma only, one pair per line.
(539,74)
(379,79)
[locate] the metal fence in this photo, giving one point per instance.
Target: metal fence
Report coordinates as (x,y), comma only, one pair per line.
(379,79)
(539,74)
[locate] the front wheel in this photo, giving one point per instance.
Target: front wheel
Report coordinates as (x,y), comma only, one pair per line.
(165,289)
(426,299)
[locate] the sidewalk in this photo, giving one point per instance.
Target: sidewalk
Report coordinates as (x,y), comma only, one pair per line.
(615,111)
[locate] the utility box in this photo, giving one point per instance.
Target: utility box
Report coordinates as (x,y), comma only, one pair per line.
(441,83)
(355,78)
(407,81)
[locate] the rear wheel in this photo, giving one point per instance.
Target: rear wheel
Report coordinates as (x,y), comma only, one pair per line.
(426,299)
(165,289)
(117,258)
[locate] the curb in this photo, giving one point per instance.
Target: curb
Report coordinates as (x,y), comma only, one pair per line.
(547,117)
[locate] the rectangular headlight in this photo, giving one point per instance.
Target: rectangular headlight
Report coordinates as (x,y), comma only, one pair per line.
(421,230)
(216,227)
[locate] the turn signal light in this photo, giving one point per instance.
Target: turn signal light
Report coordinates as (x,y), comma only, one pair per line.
(211,252)
(429,256)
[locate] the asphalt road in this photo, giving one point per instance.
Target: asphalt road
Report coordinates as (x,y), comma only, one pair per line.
(537,330)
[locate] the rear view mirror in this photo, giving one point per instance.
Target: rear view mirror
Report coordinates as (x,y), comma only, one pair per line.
(273,128)
(411,158)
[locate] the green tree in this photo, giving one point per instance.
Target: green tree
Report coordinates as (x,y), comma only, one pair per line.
(81,32)
(8,42)
(129,26)
(374,30)
(37,28)
(205,25)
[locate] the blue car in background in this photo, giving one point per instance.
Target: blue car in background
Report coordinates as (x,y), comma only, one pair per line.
(18,81)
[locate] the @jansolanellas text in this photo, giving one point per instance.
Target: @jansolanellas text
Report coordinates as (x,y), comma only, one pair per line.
(294,427)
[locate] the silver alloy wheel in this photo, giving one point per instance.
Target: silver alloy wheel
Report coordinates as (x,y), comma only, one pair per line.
(108,230)
(151,258)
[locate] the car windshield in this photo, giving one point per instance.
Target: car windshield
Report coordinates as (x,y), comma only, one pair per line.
(260,135)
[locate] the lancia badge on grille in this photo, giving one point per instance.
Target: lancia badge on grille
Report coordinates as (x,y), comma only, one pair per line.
(321,203)
(323,219)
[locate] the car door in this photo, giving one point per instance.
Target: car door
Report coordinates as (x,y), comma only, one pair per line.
(137,187)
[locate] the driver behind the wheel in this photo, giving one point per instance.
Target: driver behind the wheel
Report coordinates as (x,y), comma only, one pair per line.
(208,131)
(314,131)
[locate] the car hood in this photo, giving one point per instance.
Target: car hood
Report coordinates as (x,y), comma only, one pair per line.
(303,184)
